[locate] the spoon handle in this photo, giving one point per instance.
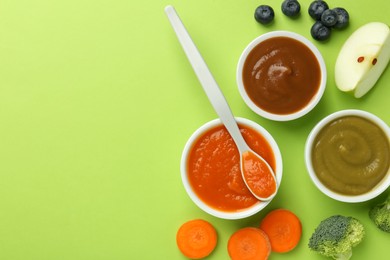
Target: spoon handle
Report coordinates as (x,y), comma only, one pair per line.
(206,79)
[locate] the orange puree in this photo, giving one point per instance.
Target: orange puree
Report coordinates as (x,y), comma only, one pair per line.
(214,168)
(258,176)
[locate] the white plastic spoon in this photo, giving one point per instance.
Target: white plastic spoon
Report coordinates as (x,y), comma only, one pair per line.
(256,172)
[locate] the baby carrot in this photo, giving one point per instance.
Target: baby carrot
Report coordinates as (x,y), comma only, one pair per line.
(196,238)
(283,228)
(249,244)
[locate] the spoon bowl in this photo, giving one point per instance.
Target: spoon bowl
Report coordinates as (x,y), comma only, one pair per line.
(263,187)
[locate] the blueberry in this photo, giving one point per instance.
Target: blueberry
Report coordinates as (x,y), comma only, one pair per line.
(320,32)
(329,18)
(342,18)
(291,8)
(264,14)
(316,9)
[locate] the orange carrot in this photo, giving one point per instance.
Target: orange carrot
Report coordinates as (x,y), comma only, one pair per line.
(283,228)
(249,244)
(196,238)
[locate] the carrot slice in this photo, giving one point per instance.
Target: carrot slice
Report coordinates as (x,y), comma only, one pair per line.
(196,238)
(249,244)
(283,228)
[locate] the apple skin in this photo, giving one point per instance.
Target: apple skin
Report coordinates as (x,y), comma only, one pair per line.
(363,58)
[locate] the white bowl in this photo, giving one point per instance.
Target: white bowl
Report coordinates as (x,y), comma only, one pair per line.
(377,190)
(266,114)
(201,204)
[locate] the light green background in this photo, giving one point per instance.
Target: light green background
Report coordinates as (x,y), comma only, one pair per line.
(97,100)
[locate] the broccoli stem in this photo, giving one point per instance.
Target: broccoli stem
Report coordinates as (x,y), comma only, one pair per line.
(343,256)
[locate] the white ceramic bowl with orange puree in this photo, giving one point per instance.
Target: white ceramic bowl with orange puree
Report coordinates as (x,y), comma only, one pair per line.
(347,156)
(210,169)
(281,75)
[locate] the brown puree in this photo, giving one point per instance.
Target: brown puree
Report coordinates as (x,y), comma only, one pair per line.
(281,75)
(351,155)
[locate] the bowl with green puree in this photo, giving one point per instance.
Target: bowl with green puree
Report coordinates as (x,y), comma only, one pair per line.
(347,155)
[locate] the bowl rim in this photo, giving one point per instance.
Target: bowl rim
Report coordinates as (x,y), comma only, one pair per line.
(315,99)
(377,190)
(202,205)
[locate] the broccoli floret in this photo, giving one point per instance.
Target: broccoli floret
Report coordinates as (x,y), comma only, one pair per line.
(336,236)
(380,214)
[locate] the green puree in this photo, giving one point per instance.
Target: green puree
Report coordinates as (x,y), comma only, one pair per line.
(351,155)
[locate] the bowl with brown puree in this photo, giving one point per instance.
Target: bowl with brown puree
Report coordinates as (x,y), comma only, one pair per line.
(281,75)
(347,155)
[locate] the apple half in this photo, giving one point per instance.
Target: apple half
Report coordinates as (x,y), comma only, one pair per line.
(363,58)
